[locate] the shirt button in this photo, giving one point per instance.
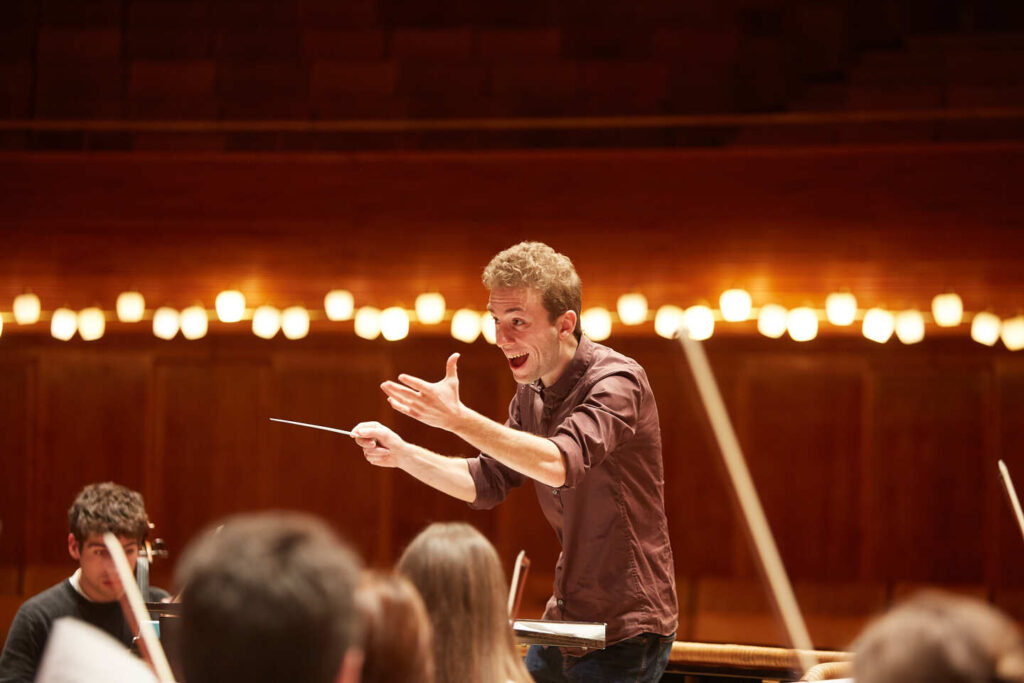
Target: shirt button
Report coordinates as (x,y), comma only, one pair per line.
(554,492)
(561,602)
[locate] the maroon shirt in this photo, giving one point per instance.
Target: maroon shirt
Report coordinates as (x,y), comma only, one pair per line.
(616,562)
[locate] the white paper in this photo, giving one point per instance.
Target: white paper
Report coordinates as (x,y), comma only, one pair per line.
(590,631)
(77,652)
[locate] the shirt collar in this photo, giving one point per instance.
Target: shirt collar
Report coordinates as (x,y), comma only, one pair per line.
(572,373)
(76,583)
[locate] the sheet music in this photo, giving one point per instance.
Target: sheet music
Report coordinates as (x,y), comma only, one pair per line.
(77,652)
(592,631)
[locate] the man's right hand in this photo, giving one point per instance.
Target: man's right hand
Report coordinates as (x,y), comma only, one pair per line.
(378,443)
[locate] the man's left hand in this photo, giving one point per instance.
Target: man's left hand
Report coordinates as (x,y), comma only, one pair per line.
(433,403)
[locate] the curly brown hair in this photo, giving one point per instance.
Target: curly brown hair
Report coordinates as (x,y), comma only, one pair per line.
(537,266)
(99,508)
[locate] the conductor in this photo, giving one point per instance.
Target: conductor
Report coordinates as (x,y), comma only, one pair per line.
(583,426)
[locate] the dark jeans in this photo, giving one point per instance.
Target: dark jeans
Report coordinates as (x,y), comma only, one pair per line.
(641,659)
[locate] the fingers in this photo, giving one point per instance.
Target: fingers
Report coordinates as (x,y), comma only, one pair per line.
(396,390)
(451,369)
(414,382)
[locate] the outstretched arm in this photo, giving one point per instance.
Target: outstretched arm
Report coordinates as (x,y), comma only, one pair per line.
(437,404)
(384,448)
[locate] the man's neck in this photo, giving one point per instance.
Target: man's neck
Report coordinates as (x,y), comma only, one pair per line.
(566,352)
(76,583)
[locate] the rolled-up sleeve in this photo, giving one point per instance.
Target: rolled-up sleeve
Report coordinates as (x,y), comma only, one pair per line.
(606,418)
(493,480)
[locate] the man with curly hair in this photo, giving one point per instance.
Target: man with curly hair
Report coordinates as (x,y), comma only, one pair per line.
(93,592)
(583,426)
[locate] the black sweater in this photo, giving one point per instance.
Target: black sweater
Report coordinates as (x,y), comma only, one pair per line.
(31,626)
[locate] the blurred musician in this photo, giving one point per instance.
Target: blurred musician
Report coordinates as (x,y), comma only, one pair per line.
(940,638)
(459,575)
(398,641)
(583,426)
(270,598)
(92,592)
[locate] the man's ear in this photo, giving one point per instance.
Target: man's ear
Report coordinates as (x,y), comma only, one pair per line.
(567,323)
(73,550)
(351,666)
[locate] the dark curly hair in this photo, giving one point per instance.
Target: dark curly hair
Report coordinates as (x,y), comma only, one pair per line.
(100,508)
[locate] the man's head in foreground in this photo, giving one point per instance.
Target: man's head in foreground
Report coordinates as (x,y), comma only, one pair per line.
(535,301)
(97,509)
(940,638)
(270,597)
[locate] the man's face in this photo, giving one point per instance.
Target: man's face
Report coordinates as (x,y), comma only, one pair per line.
(99,579)
(525,333)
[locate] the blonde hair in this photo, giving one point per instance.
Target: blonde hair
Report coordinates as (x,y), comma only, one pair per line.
(535,265)
(940,638)
(458,573)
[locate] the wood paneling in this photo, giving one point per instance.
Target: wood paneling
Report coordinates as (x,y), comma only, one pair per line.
(929,468)
(894,224)
(92,426)
(873,464)
(17,425)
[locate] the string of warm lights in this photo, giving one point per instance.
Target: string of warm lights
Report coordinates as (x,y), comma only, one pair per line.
(802,324)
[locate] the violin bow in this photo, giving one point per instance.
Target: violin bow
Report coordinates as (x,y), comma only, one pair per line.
(134,608)
(743,485)
(1011,494)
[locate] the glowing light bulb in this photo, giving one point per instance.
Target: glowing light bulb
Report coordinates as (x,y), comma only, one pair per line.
(91,323)
(772,320)
(230,306)
(878,325)
(597,323)
(131,306)
(367,324)
(466,325)
(194,322)
(948,310)
(910,327)
(735,305)
(487,327)
(802,324)
(632,308)
(985,328)
(430,308)
(339,304)
(394,323)
(165,322)
(295,322)
(27,309)
(699,321)
(1013,333)
(63,324)
(667,321)
(841,308)
(266,322)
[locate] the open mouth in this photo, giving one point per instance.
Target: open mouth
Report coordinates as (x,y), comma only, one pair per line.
(518,361)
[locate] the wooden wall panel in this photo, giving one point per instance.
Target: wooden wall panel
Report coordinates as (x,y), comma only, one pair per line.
(875,464)
(213,441)
(1007,545)
(425,358)
(17,423)
(928,469)
(323,473)
(92,427)
(802,433)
